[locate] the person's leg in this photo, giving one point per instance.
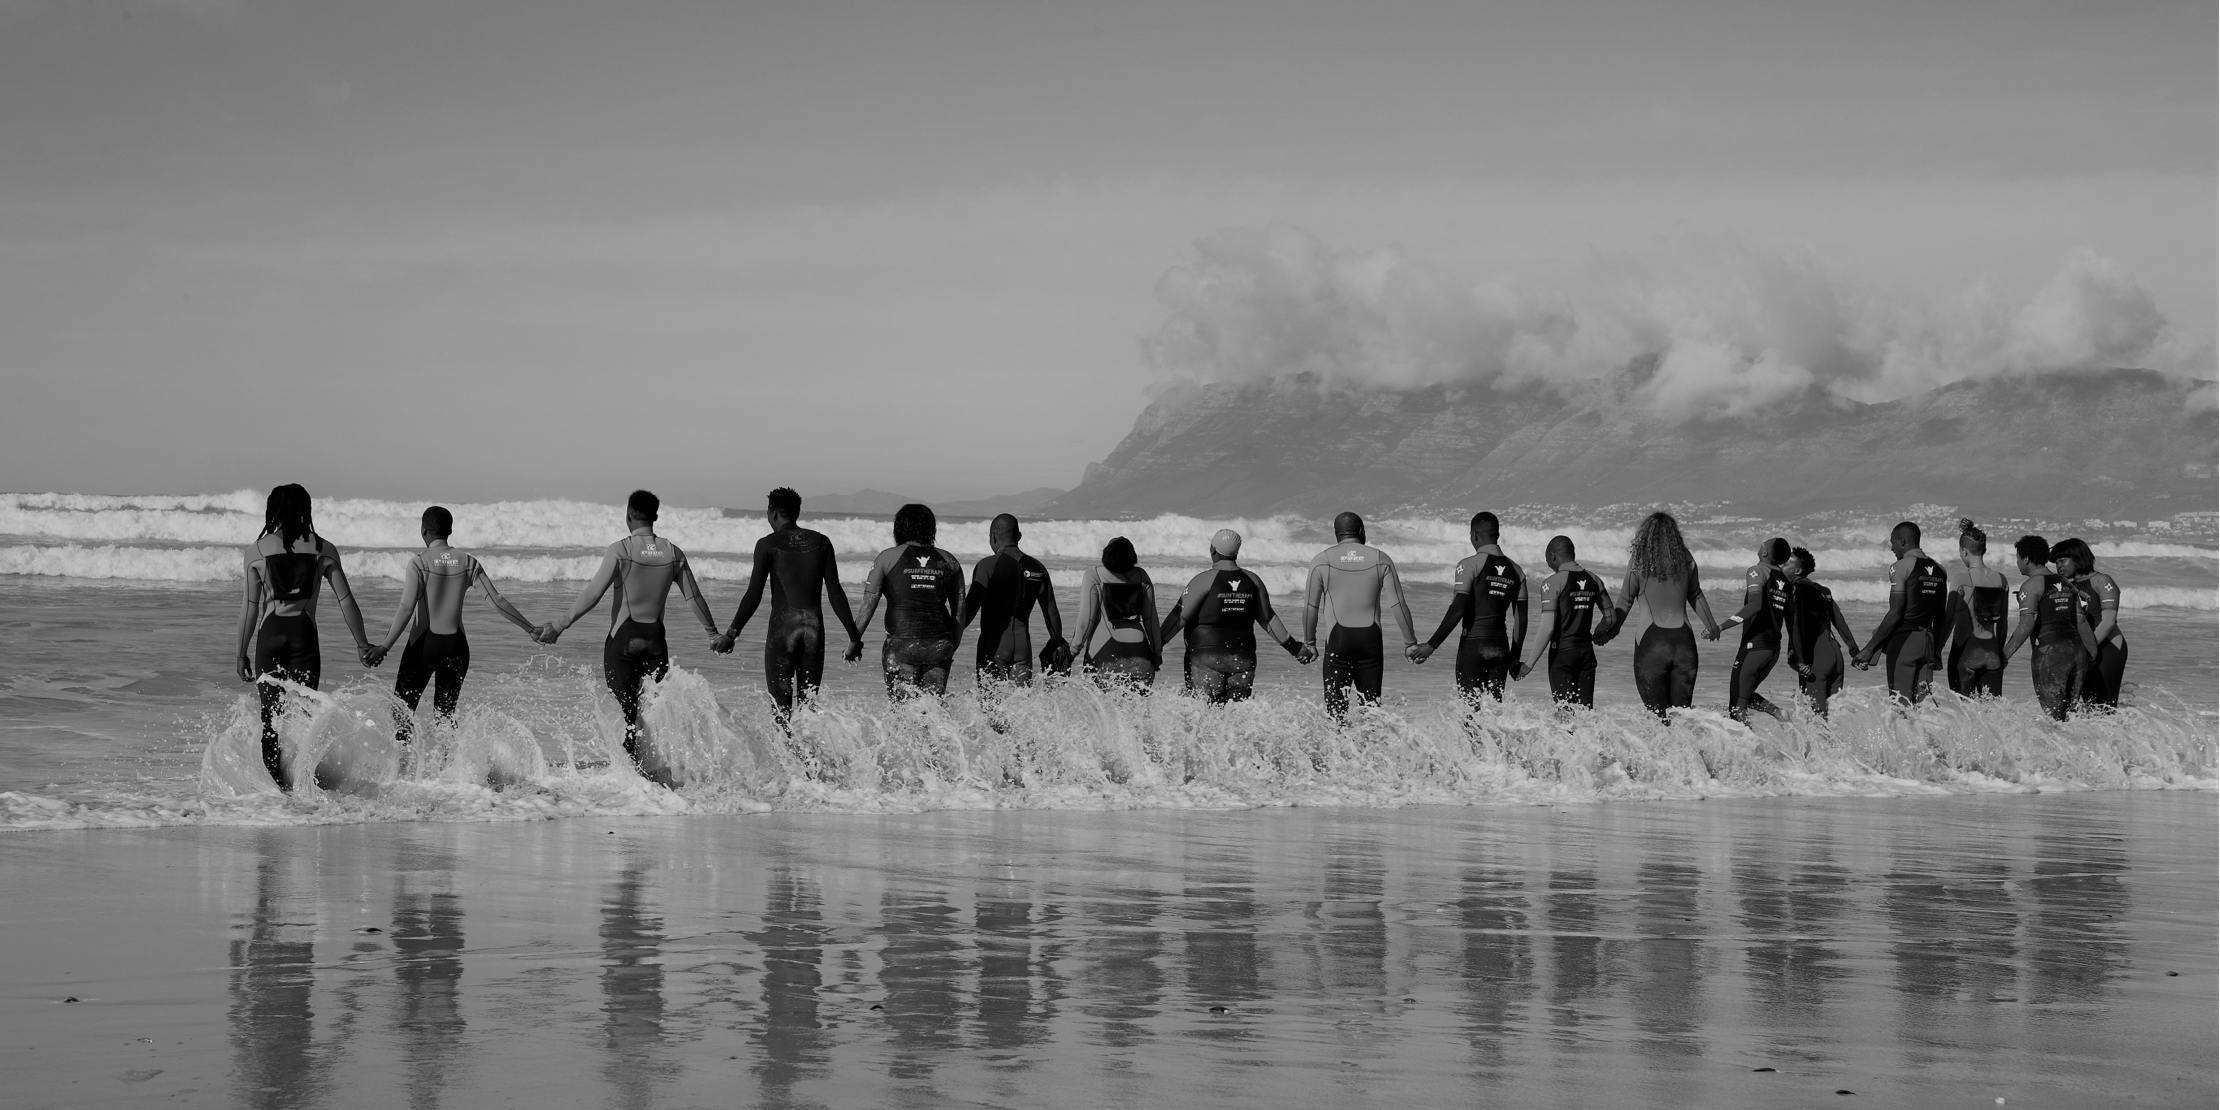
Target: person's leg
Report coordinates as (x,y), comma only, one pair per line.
(448,672)
(1751,668)
(1584,678)
(1826,670)
(1683,680)
(933,670)
(2102,684)
(1911,666)
(1653,660)
(1338,669)
(621,673)
(1955,674)
(2054,680)
(411,677)
(285,647)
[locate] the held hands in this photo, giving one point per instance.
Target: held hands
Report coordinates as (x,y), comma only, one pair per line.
(546,633)
(855,650)
(1711,633)
(1419,653)
(722,644)
(246,669)
(373,654)
(1522,671)
(1804,671)
(1308,654)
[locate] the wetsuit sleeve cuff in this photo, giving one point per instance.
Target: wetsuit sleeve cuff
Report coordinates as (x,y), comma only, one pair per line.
(1292,646)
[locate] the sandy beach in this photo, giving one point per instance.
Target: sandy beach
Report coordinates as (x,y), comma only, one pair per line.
(2047,950)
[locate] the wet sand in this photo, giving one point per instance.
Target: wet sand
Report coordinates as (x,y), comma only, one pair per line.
(2048,950)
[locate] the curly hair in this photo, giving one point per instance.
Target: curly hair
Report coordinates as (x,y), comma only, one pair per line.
(1657,551)
(287,511)
(914,523)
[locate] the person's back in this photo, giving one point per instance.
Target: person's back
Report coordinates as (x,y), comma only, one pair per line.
(283,574)
(922,587)
(1352,584)
(1571,598)
(1661,575)
(1488,599)
(1118,596)
(798,566)
(1765,597)
(1911,632)
(433,586)
(1005,588)
(1810,622)
(1220,610)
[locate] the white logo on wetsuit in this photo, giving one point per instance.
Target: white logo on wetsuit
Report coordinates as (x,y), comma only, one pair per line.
(1353,557)
(922,559)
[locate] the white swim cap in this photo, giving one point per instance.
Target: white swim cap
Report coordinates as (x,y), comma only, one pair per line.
(1227,543)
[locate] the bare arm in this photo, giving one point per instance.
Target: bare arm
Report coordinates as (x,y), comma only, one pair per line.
(1090,609)
(2026,625)
(1702,605)
(412,601)
(1842,624)
(1518,626)
(871,592)
(1953,605)
(591,596)
(500,604)
(691,591)
(348,610)
(1175,619)
(1890,619)
(2108,616)
(1149,627)
(1537,647)
(250,607)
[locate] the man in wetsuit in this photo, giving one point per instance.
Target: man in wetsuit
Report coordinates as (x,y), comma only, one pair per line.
(2051,615)
(798,563)
(1764,606)
(432,588)
(1911,631)
(1221,609)
(1488,597)
(1005,586)
(642,568)
(924,590)
(1352,582)
(1571,600)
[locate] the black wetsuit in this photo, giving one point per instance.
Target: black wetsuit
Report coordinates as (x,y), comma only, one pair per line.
(1976,618)
(2060,662)
(1221,639)
(1761,644)
(285,646)
(2108,668)
(1914,645)
(1485,588)
(1573,597)
(1124,608)
(919,581)
(432,658)
(1810,624)
(797,562)
(1004,588)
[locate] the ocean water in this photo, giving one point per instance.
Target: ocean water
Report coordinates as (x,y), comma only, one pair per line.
(118,706)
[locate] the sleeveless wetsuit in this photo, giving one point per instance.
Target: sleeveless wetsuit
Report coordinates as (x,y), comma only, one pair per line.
(919,582)
(2060,663)
(434,657)
(1004,588)
(285,644)
(1127,607)
(1570,600)
(1664,658)
(1352,583)
(1914,645)
(795,562)
(1221,609)
(1761,643)
(1485,586)
(1977,632)
(2101,685)
(1810,624)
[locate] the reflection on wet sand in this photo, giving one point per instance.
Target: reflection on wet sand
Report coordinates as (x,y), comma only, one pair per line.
(427,967)
(1177,951)
(631,990)
(273,979)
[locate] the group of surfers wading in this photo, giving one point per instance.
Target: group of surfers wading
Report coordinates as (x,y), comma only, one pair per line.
(1949,621)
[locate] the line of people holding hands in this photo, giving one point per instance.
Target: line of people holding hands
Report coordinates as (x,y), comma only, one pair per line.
(1937,620)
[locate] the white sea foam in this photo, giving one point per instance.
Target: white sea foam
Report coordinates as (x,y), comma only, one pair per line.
(1072,746)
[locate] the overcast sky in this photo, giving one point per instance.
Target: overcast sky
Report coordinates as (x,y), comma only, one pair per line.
(469,249)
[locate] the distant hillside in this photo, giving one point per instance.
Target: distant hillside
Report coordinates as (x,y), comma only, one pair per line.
(2117,443)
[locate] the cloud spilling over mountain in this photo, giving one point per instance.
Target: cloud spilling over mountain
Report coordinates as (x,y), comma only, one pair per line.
(1724,329)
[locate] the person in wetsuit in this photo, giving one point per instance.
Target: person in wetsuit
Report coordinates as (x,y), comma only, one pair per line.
(1811,621)
(2051,616)
(1764,602)
(1352,582)
(642,568)
(1661,573)
(1974,619)
(799,565)
(924,590)
(1571,600)
(1912,630)
(1005,587)
(1220,611)
(1488,597)
(285,570)
(2100,607)
(430,614)
(1118,594)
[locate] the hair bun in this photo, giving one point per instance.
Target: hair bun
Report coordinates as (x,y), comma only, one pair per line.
(1965,524)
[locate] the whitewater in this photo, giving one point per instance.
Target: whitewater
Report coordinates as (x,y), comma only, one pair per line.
(120,707)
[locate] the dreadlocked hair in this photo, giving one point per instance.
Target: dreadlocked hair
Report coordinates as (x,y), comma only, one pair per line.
(287,513)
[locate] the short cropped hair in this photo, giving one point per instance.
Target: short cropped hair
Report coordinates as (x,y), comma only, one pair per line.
(439,522)
(2034,549)
(786,503)
(1485,524)
(644,505)
(1560,549)
(1906,533)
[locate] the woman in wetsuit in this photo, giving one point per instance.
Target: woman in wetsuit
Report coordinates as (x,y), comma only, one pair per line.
(1119,593)
(2100,607)
(285,571)
(1813,620)
(1973,619)
(1661,574)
